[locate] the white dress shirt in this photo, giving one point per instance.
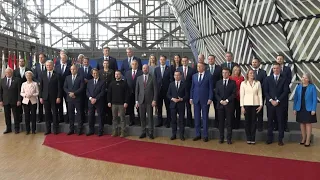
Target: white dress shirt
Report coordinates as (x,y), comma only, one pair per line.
(22,71)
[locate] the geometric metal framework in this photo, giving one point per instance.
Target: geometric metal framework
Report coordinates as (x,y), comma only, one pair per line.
(255,28)
(91,24)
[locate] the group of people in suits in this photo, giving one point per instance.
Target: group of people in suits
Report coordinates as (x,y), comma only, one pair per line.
(110,93)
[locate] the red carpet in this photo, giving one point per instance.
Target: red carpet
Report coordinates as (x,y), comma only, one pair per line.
(195,161)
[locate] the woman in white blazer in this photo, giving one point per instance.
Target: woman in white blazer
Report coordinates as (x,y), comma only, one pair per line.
(29,93)
(251,104)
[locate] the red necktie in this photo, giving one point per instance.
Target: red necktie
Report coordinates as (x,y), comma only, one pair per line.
(145,81)
(133,75)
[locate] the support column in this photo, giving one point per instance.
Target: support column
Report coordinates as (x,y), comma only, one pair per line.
(93,17)
(43,36)
(144,24)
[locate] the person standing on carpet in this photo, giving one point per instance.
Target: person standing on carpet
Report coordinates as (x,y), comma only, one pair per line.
(95,93)
(118,98)
(251,104)
(305,107)
(74,87)
(177,94)
(146,96)
(29,93)
(225,95)
(201,95)
(275,88)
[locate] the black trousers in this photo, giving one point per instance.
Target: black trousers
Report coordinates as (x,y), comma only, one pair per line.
(250,122)
(60,109)
(51,115)
(40,110)
(163,97)
(30,111)
(72,116)
(7,115)
(216,114)
(174,121)
(20,113)
(226,116)
(91,116)
(285,106)
(275,113)
(237,113)
(260,116)
(190,121)
(131,107)
(108,117)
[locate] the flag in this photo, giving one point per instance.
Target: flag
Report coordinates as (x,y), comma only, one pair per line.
(54,60)
(15,60)
(4,67)
(25,59)
(34,60)
(10,60)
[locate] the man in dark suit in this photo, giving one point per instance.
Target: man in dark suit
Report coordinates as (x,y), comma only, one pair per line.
(201,60)
(187,73)
(40,68)
(229,64)
(216,74)
(85,73)
(63,69)
(286,73)
(74,87)
(162,76)
(62,53)
(10,99)
(201,95)
(177,94)
(19,73)
(146,95)
(275,90)
(126,64)
(131,78)
(112,61)
(95,94)
(259,75)
(50,93)
(225,94)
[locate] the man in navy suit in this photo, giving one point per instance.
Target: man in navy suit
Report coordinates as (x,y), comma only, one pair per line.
(229,64)
(62,53)
(187,73)
(63,69)
(95,94)
(201,95)
(286,73)
(225,94)
(259,75)
(201,60)
(162,76)
(216,72)
(126,64)
(74,87)
(177,94)
(85,73)
(38,71)
(131,78)
(112,61)
(275,90)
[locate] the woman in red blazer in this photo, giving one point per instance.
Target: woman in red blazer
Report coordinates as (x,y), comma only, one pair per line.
(238,78)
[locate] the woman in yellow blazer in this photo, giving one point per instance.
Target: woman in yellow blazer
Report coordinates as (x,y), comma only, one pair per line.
(251,104)
(29,93)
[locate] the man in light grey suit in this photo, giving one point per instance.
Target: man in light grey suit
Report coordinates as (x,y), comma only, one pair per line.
(146,94)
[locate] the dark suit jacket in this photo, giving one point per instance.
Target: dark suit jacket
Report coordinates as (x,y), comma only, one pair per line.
(112,63)
(145,95)
(276,91)
(63,76)
(224,94)
(188,79)
(233,64)
(69,63)
(261,76)
(10,95)
(50,88)
(77,88)
(97,91)
(172,70)
(216,75)
(38,73)
(162,82)
(201,91)
(182,92)
(125,65)
(286,73)
(16,74)
(87,76)
(132,82)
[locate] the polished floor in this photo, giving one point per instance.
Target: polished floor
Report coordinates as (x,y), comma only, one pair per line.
(24,157)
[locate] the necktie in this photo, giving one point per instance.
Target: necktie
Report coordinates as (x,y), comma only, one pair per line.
(73,78)
(162,70)
(8,82)
(145,81)
(255,74)
(211,69)
(42,68)
(49,76)
(177,85)
(62,69)
(85,70)
(185,73)
(200,78)
(133,75)
(225,83)
(95,82)
(276,79)
(129,61)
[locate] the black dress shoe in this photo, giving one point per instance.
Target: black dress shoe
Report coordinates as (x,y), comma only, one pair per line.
(70,133)
(47,133)
(173,137)
(143,135)
(286,130)
(221,141)
(268,142)
(131,123)
(159,125)
(229,141)
(100,134)
(89,134)
(151,136)
(7,131)
(307,145)
(16,131)
(55,133)
(280,143)
(182,138)
(206,139)
(33,132)
(40,121)
(28,132)
(197,138)
(168,126)
(275,129)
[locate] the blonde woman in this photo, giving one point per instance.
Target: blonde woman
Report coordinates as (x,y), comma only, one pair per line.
(238,78)
(251,104)
(29,93)
(152,63)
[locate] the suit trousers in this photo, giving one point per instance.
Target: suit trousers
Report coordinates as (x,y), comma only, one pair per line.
(84,102)
(285,105)
(7,114)
(51,109)
(40,110)
(174,112)
(275,112)
(146,108)
(118,109)
(250,122)
(131,107)
(198,108)
(260,116)
(109,116)
(216,116)
(226,116)
(72,116)
(162,96)
(30,111)
(190,121)
(91,113)
(60,109)
(20,113)
(237,109)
